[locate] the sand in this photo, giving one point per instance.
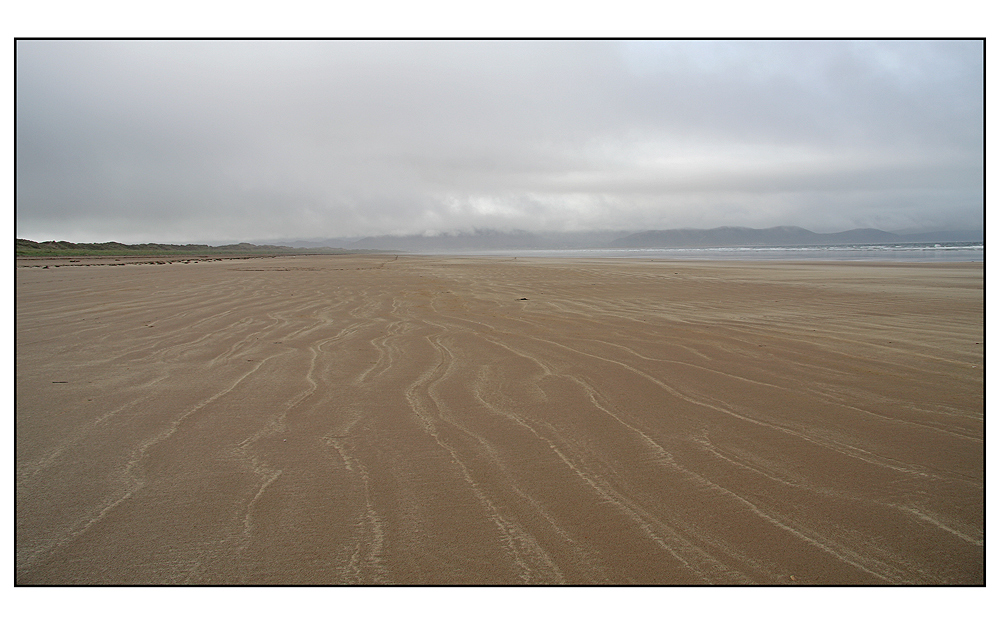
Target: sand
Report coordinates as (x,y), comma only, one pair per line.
(448,420)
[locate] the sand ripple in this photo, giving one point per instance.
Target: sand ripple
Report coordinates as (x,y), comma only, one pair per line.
(422,420)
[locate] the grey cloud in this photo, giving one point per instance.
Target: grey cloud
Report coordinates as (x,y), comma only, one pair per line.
(192,141)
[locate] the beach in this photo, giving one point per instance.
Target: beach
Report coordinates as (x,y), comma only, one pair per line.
(383,419)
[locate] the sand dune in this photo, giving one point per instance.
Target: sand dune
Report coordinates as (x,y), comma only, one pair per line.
(434,420)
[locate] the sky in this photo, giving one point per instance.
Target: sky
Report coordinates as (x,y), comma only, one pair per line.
(226,141)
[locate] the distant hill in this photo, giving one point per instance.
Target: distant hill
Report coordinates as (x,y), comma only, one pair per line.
(338,243)
(487,240)
(27,247)
(490,240)
(781,235)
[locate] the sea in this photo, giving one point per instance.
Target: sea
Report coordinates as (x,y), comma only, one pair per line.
(944,251)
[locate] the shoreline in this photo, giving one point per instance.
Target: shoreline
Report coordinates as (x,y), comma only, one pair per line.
(70,261)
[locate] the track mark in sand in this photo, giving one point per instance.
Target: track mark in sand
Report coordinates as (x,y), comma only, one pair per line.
(278,424)
(876,568)
(534,562)
(138,455)
(235,349)
(681,550)
(30,469)
(269,475)
(26,560)
(365,565)
(830,400)
(843,552)
(580,553)
(133,482)
(704,442)
(386,351)
(873,567)
(666,459)
(688,364)
(823,441)
(528,556)
(705,402)
(833,402)
(923,516)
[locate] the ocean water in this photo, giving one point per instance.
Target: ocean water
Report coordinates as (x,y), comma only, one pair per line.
(945,251)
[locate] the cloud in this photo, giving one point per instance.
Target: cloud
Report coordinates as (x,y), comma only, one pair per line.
(249,140)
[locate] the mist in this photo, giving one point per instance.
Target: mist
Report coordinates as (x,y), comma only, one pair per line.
(226,141)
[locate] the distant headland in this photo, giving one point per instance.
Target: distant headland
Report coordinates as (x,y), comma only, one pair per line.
(28,248)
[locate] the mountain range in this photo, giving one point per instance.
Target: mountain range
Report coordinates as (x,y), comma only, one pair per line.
(485,240)
(782,235)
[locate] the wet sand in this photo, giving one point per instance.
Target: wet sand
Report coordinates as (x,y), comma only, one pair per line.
(446,420)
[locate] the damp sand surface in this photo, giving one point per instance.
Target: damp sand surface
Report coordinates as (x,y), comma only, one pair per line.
(447,420)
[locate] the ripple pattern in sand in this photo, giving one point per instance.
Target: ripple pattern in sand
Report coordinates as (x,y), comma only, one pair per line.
(421,420)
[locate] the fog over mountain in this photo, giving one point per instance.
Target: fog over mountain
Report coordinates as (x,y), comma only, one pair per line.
(786,235)
(229,141)
(486,240)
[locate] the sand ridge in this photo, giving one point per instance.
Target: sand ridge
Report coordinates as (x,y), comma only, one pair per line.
(449,420)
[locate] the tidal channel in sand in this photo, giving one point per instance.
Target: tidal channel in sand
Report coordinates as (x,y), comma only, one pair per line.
(446,420)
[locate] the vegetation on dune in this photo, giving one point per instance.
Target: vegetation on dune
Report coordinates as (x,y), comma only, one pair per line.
(26,247)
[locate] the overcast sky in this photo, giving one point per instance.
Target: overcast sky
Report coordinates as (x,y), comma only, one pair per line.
(201,141)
